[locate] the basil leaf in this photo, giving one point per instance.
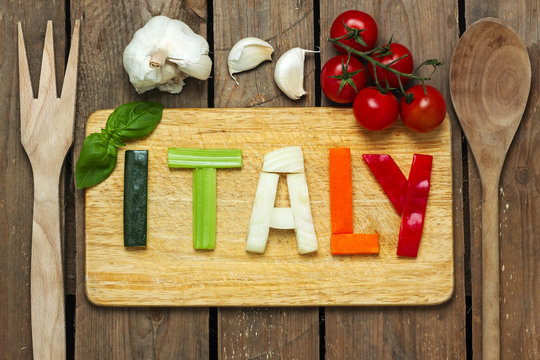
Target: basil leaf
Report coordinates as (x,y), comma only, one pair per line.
(96,161)
(134,119)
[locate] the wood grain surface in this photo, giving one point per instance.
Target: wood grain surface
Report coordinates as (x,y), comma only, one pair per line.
(46,135)
(429,29)
(170,272)
(519,206)
(285,332)
(16,191)
(128,333)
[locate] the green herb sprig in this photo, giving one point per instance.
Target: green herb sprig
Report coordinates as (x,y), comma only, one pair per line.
(98,154)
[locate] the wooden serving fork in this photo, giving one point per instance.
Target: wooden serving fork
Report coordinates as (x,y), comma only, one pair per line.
(47,134)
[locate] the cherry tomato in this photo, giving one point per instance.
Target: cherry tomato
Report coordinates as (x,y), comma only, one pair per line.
(426,112)
(336,74)
(375,110)
(404,65)
(355,19)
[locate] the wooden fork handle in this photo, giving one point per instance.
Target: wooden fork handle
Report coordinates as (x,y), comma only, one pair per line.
(490,272)
(47,281)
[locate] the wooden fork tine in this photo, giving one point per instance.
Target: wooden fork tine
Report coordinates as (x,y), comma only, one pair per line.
(69,87)
(47,78)
(25,85)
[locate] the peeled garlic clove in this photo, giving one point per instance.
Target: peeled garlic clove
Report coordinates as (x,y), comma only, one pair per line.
(289,72)
(247,54)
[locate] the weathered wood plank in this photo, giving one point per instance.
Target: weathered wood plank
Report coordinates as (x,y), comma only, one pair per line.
(16,190)
(284,24)
(264,332)
(519,204)
(111,333)
(429,29)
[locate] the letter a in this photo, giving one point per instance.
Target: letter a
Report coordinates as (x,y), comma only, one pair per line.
(289,161)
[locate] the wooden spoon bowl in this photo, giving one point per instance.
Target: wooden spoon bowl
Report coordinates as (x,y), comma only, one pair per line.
(490,79)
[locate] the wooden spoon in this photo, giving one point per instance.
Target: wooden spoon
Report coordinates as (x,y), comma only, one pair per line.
(490,79)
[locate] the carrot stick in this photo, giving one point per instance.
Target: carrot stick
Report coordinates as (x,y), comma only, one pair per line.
(341,200)
(349,244)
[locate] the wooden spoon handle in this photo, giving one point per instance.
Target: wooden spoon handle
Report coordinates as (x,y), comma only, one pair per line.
(47,281)
(490,272)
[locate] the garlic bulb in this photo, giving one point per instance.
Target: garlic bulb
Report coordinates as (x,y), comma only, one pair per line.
(247,54)
(289,72)
(163,53)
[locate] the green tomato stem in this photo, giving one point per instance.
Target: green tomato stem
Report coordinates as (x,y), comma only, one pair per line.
(371,60)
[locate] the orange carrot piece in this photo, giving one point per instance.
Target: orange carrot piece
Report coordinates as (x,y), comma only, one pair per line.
(341,200)
(349,244)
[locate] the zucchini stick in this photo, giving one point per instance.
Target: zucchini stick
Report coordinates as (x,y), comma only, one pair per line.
(135,197)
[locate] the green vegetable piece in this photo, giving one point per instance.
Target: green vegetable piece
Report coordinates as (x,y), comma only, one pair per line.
(205,162)
(96,161)
(135,197)
(204,208)
(134,120)
(204,158)
(98,154)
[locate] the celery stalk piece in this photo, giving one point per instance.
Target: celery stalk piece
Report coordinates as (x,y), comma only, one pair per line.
(261,215)
(204,208)
(204,158)
(204,162)
(284,160)
(282,218)
(299,196)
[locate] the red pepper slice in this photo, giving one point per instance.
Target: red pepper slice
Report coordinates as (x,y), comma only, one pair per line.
(389,177)
(414,206)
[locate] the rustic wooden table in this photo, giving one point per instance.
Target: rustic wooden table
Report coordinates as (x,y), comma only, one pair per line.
(429,28)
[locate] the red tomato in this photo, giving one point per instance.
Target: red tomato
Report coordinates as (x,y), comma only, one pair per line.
(404,65)
(375,110)
(355,19)
(334,75)
(426,111)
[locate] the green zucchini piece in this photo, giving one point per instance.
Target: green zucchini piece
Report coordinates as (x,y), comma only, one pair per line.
(135,198)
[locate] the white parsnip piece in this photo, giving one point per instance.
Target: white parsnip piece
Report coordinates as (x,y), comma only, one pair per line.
(261,215)
(301,209)
(284,160)
(282,218)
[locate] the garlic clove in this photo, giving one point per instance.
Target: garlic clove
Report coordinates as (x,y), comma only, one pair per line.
(200,70)
(289,72)
(247,54)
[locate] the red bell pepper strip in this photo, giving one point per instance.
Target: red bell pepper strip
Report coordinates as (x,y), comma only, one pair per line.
(414,206)
(389,177)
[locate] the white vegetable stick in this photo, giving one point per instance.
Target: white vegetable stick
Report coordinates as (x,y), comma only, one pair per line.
(303,220)
(261,215)
(282,218)
(284,160)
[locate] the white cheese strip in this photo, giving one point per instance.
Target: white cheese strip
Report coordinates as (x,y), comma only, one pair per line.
(261,215)
(301,208)
(284,160)
(282,218)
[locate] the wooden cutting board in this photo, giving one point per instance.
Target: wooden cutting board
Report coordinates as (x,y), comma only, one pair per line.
(169,272)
